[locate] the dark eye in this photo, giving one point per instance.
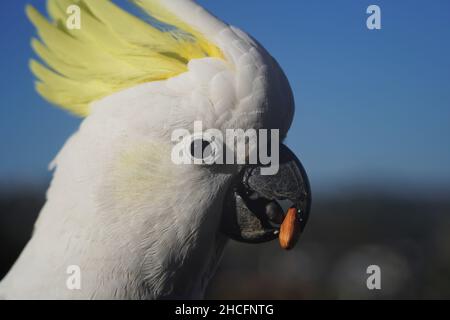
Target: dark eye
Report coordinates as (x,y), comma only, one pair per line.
(201,149)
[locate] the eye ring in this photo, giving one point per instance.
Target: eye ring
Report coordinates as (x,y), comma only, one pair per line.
(200,149)
(203,148)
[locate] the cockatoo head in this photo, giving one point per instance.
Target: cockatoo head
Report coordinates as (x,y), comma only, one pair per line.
(137,85)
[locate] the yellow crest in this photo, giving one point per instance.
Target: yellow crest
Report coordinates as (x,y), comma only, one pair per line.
(110,51)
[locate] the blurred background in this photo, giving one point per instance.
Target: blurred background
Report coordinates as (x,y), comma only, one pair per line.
(372,128)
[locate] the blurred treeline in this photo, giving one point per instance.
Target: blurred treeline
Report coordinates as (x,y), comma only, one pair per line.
(407,236)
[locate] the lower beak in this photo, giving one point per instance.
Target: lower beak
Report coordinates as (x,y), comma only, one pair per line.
(253,211)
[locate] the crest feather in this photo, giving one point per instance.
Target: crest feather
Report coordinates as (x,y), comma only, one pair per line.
(112,51)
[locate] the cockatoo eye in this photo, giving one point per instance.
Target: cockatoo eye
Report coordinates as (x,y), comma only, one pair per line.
(253,208)
(201,149)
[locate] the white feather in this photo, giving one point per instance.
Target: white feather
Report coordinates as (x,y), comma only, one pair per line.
(139,226)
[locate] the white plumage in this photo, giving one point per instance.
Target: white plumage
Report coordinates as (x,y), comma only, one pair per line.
(139,226)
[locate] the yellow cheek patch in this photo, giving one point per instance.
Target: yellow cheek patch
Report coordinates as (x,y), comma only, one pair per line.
(142,172)
(112,50)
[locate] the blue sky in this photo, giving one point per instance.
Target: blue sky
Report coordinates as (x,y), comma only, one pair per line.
(372,106)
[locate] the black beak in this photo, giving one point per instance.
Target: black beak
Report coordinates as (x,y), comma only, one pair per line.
(253,210)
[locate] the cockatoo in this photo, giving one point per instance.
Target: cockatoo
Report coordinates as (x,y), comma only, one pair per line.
(135,224)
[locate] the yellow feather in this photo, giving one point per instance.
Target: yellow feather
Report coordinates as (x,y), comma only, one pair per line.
(155,9)
(112,51)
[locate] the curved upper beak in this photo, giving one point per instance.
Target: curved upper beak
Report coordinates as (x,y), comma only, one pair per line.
(254,211)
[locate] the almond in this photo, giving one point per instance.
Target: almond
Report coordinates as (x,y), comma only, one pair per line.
(289,230)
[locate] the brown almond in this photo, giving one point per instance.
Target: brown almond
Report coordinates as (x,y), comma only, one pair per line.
(289,230)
